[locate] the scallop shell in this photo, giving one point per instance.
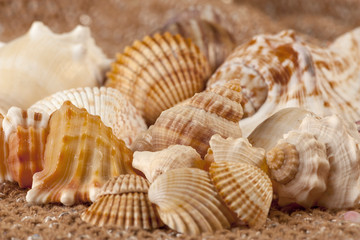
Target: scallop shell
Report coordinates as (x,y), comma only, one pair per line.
(216,110)
(113,108)
(4,152)
(245,189)
(187,202)
(25,132)
(280,71)
(123,202)
(237,150)
(81,154)
(159,72)
(153,164)
(42,63)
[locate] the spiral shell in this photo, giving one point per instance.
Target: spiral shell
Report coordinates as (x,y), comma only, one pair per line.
(159,72)
(81,154)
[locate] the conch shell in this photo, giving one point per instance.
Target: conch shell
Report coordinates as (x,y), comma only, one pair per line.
(41,63)
(193,123)
(81,154)
(280,71)
(113,108)
(159,72)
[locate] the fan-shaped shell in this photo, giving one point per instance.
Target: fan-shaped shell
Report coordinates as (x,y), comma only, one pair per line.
(245,189)
(123,202)
(81,154)
(153,164)
(41,63)
(188,202)
(4,152)
(25,133)
(159,72)
(217,110)
(113,108)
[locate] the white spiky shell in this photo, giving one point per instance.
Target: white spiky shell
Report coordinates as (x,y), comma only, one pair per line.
(41,63)
(113,108)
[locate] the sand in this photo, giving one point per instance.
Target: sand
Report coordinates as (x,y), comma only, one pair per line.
(117,23)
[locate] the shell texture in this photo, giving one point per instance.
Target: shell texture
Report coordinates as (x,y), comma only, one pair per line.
(26,133)
(42,63)
(113,108)
(187,202)
(214,111)
(123,202)
(245,189)
(280,71)
(153,164)
(4,152)
(81,154)
(159,72)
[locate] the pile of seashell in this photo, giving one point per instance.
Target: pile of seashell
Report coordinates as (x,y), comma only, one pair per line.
(226,133)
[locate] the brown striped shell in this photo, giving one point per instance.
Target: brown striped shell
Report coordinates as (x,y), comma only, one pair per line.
(4,152)
(159,72)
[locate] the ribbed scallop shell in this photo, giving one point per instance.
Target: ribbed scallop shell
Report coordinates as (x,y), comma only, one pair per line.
(41,63)
(245,189)
(159,72)
(153,164)
(25,132)
(214,111)
(113,108)
(188,202)
(123,202)
(4,152)
(81,154)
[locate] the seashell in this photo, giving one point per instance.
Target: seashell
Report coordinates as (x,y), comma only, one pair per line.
(214,111)
(237,150)
(113,108)
(123,202)
(159,72)
(25,132)
(81,154)
(280,71)
(42,63)
(245,189)
(187,202)
(153,164)
(4,152)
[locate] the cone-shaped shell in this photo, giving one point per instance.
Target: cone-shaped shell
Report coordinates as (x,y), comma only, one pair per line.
(25,132)
(4,152)
(123,202)
(237,150)
(81,154)
(153,164)
(41,63)
(188,202)
(113,108)
(245,189)
(159,72)
(215,111)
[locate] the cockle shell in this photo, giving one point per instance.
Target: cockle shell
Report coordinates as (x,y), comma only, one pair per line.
(4,152)
(216,110)
(153,164)
(81,154)
(25,133)
(41,63)
(113,108)
(123,202)
(279,71)
(245,189)
(159,72)
(187,202)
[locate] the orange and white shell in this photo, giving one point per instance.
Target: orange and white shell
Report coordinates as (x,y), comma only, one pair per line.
(41,63)
(153,164)
(81,154)
(123,202)
(280,71)
(187,202)
(159,72)
(245,189)
(4,152)
(113,108)
(193,123)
